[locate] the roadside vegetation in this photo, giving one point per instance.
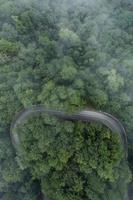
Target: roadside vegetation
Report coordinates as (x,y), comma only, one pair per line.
(65,55)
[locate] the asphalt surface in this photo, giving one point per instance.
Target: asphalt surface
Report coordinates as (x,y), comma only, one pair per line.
(87,115)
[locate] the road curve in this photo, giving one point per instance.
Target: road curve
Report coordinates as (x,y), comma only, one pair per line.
(87,115)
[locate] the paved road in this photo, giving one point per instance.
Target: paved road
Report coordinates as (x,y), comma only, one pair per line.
(87,115)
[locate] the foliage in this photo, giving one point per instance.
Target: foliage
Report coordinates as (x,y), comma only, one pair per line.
(66,55)
(71,158)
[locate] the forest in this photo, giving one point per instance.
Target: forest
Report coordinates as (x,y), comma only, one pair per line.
(67,55)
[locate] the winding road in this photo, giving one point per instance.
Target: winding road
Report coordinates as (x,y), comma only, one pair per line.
(87,115)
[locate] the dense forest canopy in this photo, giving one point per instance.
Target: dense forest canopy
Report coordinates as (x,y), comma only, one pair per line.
(66,55)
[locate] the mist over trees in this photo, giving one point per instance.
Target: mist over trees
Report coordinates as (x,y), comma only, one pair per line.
(66,55)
